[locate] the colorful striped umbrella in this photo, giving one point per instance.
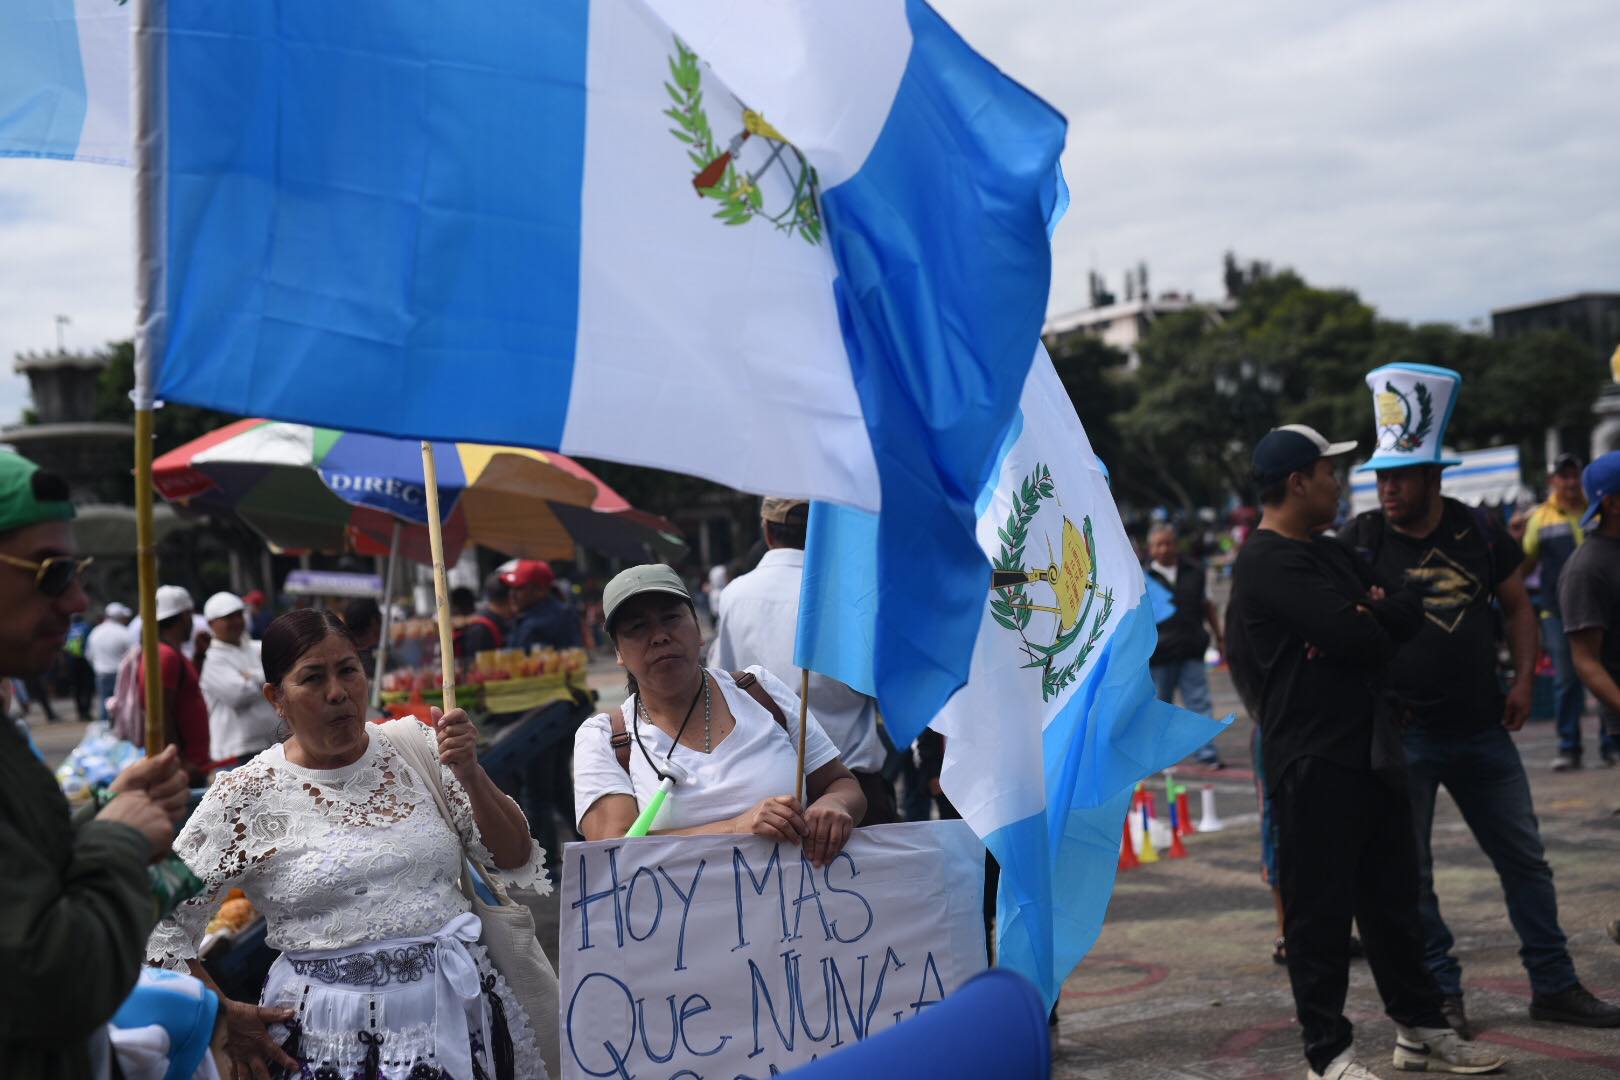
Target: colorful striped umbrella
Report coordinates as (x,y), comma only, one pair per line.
(312,488)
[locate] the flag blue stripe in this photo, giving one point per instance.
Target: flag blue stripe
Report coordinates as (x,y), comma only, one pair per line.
(372,194)
(940,241)
(838,596)
(1057,868)
(43,100)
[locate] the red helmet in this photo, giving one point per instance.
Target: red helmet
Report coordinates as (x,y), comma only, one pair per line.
(535,572)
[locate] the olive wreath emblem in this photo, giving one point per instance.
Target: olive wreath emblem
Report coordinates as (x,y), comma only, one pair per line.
(715,171)
(1011,606)
(1411,436)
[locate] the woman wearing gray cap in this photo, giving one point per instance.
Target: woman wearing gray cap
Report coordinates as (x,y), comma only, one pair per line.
(724,738)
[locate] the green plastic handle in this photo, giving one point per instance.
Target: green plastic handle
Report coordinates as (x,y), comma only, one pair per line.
(645,820)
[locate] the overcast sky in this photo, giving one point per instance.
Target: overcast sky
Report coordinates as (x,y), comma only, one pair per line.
(1440,158)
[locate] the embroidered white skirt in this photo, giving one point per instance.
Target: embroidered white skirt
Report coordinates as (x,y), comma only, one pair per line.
(425,1008)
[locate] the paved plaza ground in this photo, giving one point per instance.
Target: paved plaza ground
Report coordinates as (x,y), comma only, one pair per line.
(1181,984)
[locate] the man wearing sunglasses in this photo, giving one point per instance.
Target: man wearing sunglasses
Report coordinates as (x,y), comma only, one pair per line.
(76,904)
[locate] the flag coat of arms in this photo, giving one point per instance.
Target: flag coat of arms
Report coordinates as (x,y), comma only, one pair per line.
(1058,719)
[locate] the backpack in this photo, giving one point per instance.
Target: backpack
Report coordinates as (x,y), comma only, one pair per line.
(459,635)
(745,680)
(127,709)
(1366,535)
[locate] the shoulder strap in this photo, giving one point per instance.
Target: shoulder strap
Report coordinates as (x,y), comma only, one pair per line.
(745,681)
(620,739)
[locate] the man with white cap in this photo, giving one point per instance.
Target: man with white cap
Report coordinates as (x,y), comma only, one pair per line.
(1444,687)
(109,640)
(1310,627)
(241,721)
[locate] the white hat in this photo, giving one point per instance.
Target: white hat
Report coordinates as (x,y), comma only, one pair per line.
(172,600)
(222,604)
(115,610)
(1412,406)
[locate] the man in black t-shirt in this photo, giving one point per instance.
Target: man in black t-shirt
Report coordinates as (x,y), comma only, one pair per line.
(1457,719)
(1590,591)
(1310,628)
(1177,663)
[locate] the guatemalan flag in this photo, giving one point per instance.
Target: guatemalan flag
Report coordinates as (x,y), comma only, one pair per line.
(65,80)
(1058,720)
(797,247)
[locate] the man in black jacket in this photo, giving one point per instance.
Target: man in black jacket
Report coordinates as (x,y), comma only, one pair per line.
(1310,629)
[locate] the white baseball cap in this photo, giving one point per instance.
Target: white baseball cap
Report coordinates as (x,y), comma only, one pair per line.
(222,604)
(172,600)
(115,610)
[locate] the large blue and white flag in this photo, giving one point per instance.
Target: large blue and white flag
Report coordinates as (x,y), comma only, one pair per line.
(1058,719)
(65,80)
(796,247)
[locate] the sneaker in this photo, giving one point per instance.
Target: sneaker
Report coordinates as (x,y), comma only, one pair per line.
(1451,1007)
(1611,758)
(1575,1006)
(1440,1050)
(1566,762)
(1343,1067)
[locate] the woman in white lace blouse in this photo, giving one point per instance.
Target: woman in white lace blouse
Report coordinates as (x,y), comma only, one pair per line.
(340,845)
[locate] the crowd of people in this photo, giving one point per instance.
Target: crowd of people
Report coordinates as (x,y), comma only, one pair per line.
(1366,649)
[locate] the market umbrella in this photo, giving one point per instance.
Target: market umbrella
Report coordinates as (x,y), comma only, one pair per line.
(312,488)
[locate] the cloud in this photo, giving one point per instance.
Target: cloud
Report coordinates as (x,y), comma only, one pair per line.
(1440,158)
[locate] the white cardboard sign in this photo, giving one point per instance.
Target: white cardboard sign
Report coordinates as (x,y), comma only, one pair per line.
(702,957)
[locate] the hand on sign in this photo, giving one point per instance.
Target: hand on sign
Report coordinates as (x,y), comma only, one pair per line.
(775,818)
(830,826)
(458,741)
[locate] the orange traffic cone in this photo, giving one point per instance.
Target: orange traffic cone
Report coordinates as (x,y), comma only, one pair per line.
(1178,850)
(1127,851)
(1148,854)
(1184,811)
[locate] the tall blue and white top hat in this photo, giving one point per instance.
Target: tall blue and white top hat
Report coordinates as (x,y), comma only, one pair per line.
(1412,406)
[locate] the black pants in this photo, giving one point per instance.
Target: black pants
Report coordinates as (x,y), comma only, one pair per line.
(1345,850)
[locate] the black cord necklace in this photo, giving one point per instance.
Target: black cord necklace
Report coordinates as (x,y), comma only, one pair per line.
(641,708)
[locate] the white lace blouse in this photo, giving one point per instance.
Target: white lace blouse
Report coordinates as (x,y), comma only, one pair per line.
(332,858)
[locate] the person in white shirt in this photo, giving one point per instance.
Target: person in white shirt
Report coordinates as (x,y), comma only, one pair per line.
(725,740)
(758,626)
(241,722)
(109,640)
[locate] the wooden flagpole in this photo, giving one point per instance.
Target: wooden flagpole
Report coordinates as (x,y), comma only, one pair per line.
(441,582)
(804,710)
(149,61)
(387,619)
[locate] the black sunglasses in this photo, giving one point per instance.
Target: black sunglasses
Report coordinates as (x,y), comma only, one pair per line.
(55,575)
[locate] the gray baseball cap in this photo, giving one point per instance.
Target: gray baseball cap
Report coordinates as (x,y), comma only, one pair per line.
(652,578)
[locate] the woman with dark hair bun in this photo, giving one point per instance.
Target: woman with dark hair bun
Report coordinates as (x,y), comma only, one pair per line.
(340,843)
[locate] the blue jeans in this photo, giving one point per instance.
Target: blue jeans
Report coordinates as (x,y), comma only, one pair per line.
(1568,695)
(1192,680)
(1485,777)
(105,685)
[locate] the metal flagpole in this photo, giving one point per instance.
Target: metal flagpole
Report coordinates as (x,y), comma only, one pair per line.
(441,583)
(149,68)
(387,617)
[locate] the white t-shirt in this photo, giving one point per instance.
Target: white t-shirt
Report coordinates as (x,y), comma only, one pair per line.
(758,626)
(755,761)
(109,640)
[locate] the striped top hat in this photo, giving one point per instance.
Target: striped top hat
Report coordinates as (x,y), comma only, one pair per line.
(1412,406)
